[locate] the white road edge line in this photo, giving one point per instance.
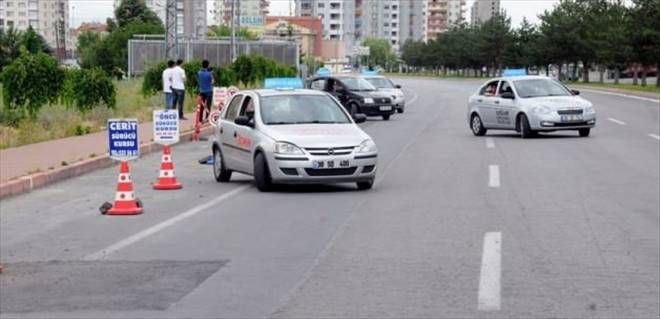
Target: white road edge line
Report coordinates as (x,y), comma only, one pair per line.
(493,176)
(621,95)
(616,121)
(490,285)
(657,137)
(103,253)
(490,143)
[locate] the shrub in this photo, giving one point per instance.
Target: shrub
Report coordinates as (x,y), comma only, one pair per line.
(86,89)
(244,69)
(224,77)
(192,67)
(153,79)
(31,81)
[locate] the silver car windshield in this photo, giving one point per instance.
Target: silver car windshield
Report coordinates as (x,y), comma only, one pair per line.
(380,83)
(539,88)
(301,109)
(357,84)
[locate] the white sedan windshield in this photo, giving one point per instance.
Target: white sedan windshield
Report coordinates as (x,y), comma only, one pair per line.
(539,88)
(301,109)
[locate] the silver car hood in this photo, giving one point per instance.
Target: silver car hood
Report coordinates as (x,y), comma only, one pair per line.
(559,102)
(317,135)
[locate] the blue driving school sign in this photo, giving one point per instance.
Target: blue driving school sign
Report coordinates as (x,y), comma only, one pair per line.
(123,142)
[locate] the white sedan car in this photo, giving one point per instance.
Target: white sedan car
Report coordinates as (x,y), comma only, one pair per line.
(529,104)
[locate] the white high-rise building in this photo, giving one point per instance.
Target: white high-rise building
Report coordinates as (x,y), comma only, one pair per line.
(49,18)
(249,10)
(382,19)
(338,17)
(440,15)
(484,10)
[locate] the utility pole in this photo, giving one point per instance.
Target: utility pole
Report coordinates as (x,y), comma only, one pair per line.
(233,31)
(171,32)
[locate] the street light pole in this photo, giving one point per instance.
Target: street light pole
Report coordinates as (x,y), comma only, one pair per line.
(171,37)
(233,31)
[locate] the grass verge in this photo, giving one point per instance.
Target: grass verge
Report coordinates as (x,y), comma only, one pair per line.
(649,88)
(56,121)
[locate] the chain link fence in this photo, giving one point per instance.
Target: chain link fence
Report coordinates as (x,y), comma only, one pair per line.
(144,52)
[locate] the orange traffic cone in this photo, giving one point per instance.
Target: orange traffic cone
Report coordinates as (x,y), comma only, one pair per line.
(125,201)
(166,178)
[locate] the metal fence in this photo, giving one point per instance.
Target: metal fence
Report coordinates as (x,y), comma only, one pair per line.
(144,52)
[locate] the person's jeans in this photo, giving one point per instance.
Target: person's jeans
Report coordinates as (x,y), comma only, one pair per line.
(178,101)
(169,99)
(207,97)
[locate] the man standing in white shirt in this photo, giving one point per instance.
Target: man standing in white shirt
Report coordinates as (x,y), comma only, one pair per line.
(167,85)
(178,87)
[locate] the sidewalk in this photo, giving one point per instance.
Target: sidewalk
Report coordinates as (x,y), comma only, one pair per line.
(58,159)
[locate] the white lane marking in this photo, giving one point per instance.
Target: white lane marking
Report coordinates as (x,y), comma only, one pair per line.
(622,95)
(103,253)
(657,137)
(493,176)
(490,143)
(616,121)
(490,285)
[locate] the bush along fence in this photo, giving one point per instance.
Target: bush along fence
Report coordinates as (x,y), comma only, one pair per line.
(248,70)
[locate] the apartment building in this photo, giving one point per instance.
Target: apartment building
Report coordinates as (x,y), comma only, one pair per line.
(484,10)
(338,18)
(440,15)
(381,19)
(252,12)
(411,20)
(49,18)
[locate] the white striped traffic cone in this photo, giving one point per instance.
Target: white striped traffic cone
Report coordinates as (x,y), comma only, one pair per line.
(166,178)
(125,201)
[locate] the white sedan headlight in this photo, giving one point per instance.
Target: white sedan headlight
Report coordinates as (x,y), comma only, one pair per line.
(367,146)
(542,109)
(589,110)
(368,100)
(287,149)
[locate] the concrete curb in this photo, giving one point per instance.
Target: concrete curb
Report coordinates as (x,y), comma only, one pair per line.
(27,183)
(647,95)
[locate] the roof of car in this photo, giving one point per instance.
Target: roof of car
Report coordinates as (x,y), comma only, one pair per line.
(275,92)
(522,77)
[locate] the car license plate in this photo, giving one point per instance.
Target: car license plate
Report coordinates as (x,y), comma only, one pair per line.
(331,164)
(385,108)
(572,118)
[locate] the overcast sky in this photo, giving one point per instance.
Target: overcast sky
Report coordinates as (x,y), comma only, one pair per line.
(99,10)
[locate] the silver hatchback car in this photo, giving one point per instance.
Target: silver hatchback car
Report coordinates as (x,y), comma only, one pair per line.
(529,104)
(292,136)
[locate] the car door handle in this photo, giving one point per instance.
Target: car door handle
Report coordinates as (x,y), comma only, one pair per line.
(221,130)
(497,102)
(480,100)
(235,135)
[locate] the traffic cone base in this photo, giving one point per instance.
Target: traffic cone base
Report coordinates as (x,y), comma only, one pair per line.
(125,201)
(166,178)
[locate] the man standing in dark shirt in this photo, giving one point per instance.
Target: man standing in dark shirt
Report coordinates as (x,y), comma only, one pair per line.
(205,82)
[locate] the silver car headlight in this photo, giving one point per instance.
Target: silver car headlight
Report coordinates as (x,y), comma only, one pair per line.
(367,146)
(287,149)
(368,100)
(542,109)
(589,110)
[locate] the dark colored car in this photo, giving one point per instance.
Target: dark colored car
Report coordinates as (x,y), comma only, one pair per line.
(355,94)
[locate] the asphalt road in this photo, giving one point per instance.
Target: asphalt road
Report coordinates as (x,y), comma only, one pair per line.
(456,226)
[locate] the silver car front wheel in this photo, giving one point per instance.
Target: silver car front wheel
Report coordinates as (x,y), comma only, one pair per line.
(477,126)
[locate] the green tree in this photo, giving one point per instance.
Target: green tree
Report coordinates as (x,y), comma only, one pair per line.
(244,69)
(87,88)
(644,33)
(10,43)
(132,11)
(495,39)
(191,68)
(116,43)
(31,81)
(225,31)
(34,42)
(380,52)
(560,28)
